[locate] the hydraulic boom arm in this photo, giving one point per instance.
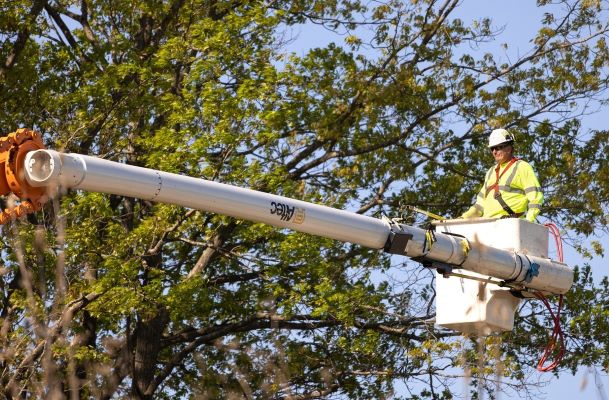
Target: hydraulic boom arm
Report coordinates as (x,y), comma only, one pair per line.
(49,169)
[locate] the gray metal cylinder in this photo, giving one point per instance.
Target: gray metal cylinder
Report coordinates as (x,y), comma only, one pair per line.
(48,167)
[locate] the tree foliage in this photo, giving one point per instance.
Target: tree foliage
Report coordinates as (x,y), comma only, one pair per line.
(105,296)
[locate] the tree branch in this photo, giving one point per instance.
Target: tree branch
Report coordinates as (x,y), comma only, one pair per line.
(22,37)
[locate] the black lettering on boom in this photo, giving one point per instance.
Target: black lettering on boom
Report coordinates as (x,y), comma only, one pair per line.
(284,211)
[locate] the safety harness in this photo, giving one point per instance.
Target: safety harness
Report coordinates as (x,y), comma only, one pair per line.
(497,194)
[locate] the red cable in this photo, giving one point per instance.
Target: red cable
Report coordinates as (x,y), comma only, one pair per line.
(557,338)
(557,333)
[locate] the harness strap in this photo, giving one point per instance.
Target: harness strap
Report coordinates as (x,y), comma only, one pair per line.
(498,176)
(497,194)
(507,208)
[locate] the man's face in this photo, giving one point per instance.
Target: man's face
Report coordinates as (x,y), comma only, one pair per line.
(502,152)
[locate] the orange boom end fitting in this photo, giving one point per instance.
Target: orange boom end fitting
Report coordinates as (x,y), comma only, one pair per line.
(13,149)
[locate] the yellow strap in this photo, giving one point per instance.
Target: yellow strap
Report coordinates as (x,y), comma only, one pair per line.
(465,247)
(427,213)
(429,240)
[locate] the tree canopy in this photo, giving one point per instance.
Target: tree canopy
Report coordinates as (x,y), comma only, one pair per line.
(109,297)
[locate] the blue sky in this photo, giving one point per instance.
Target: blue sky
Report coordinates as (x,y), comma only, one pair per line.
(519,20)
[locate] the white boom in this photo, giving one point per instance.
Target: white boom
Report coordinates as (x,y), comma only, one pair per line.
(45,168)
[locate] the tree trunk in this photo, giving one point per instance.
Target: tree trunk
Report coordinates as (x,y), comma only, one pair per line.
(148,336)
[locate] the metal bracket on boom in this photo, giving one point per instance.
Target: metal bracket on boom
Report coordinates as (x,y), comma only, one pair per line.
(13,149)
(397,241)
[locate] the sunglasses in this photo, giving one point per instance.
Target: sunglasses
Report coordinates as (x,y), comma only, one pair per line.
(499,147)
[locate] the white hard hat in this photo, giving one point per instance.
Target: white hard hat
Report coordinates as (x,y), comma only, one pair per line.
(500,136)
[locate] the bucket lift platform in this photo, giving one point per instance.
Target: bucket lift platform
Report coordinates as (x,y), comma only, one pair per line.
(473,306)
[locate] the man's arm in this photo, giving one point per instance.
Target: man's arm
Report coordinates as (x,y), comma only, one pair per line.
(477,209)
(532,190)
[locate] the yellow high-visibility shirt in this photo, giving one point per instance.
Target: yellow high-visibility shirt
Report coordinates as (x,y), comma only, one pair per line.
(519,188)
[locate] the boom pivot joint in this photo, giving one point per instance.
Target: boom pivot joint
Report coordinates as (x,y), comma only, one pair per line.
(13,149)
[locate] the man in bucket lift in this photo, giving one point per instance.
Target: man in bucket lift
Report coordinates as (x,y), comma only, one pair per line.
(511,188)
